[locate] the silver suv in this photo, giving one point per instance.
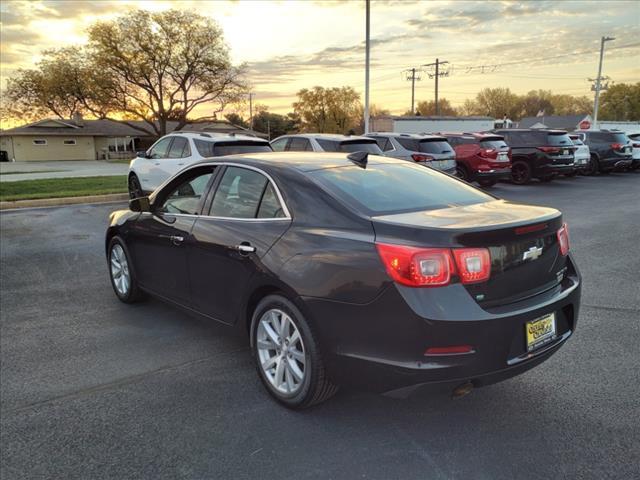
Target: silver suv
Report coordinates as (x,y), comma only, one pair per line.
(324,142)
(430,150)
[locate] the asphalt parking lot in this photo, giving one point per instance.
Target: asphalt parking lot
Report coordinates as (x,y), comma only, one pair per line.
(92,388)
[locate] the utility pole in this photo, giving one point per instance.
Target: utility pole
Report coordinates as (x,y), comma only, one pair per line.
(437,75)
(411,75)
(251,111)
(366,71)
(598,81)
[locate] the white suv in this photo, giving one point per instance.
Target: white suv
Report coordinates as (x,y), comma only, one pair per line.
(175,151)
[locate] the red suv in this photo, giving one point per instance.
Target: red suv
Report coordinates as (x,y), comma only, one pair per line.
(481,157)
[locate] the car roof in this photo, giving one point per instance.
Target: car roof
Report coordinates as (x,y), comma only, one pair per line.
(476,135)
(302,161)
(548,130)
(327,136)
(215,136)
(416,136)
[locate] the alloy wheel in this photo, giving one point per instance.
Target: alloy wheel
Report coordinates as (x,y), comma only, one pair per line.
(519,173)
(120,270)
(281,352)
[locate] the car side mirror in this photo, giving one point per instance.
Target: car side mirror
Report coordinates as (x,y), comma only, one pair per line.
(142,154)
(140,204)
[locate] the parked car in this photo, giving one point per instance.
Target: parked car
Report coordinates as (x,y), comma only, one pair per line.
(609,149)
(429,150)
(481,157)
(635,144)
(581,155)
(324,142)
(174,152)
(538,153)
(353,269)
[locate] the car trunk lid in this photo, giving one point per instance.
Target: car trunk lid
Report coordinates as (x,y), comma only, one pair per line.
(521,239)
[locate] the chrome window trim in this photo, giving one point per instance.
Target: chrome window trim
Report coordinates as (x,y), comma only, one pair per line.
(285,209)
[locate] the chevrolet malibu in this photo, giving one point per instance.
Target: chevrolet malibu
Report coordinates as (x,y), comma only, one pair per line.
(353,269)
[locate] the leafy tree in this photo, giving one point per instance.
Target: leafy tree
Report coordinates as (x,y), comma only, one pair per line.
(620,102)
(498,102)
(273,124)
(330,110)
(536,101)
(236,119)
(149,66)
(426,108)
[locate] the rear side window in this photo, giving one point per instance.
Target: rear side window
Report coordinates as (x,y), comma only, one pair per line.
(279,145)
(558,139)
(270,206)
(396,187)
(360,146)
(384,143)
(298,144)
(239,193)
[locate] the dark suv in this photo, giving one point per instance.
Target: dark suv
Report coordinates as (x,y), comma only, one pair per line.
(610,150)
(481,157)
(538,153)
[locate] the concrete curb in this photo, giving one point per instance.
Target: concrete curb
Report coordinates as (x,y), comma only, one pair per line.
(54,202)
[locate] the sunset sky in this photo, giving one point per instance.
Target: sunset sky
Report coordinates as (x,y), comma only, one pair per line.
(289,45)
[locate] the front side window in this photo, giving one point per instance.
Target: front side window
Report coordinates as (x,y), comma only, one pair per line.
(279,145)
(185,198)
(160,149)
(179,148)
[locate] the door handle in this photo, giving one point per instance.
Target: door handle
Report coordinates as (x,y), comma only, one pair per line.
(245,249)
(177,240)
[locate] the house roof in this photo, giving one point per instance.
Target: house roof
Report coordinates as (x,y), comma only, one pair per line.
(433,117)
(554,121)
(110,128)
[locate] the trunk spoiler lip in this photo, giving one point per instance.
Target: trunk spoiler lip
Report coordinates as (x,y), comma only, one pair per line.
(485,219)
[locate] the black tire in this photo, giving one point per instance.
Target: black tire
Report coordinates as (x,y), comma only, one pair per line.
(487,183)
(133,293)
(592,167)
(135,189)
(520,172)
(315,387)
(462,173)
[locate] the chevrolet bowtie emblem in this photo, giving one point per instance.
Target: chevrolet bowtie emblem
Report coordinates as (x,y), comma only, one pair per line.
(533,253)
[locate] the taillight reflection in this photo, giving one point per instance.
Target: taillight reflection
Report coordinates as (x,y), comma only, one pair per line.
(563,239)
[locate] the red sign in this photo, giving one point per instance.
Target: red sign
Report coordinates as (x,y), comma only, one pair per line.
(585,125)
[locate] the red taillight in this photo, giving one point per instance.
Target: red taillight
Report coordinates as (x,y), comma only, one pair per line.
(421,158)
(452,350)
(635,145)
(474,264)
(433,267)
(417,267)
(563,239)
(488,153)
(549,149)
(616,146)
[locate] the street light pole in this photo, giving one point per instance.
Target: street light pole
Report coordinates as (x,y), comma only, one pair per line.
(598,81)
(366,73)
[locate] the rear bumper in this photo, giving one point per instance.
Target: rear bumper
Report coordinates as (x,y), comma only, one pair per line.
(380,346)
(554,169)
(495,174)
(616,163)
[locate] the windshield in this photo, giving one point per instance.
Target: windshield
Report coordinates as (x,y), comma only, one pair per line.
(217,149)
(620,138)
(558,139)
(396,187)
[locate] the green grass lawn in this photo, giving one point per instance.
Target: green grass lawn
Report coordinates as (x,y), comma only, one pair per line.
(62,187)
(33,171)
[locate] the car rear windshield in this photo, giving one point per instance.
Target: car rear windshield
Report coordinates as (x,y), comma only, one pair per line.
(495,143)
(218,149)
(370,146)
(559,138)
(389,188)
(437,145)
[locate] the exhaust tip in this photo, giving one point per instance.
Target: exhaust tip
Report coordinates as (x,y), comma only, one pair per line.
(462,390)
